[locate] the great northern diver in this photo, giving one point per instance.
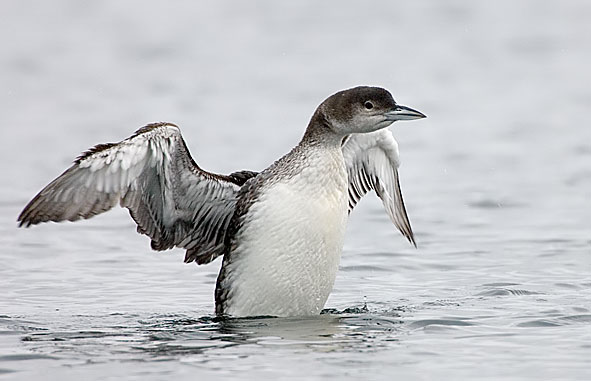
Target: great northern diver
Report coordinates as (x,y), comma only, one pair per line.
(280,231)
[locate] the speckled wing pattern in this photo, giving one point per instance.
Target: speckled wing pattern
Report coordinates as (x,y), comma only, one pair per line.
(372,164)
(152,174)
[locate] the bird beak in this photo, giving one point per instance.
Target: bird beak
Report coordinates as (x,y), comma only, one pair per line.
(403,113)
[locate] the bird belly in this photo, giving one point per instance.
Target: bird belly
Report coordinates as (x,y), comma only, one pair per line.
(288,249)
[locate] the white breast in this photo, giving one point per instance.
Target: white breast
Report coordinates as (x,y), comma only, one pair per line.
(289,247)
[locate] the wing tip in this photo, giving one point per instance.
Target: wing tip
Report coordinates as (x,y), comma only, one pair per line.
(21,223)
(26,218)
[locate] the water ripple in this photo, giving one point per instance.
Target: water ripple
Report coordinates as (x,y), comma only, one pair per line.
(506,292)
(445,322)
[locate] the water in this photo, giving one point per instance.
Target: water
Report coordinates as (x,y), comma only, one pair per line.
(497,183)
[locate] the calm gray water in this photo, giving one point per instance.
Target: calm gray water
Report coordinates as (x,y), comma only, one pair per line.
(497,182)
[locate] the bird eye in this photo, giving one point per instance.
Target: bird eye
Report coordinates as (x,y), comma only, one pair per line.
(368,105)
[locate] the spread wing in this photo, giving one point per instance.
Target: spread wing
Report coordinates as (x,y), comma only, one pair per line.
(152,174)
(372,164)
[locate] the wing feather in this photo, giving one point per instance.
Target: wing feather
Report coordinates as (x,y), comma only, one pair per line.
(372,164)
(152,174)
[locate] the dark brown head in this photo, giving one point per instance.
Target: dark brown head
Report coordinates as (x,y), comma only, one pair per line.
(362,109)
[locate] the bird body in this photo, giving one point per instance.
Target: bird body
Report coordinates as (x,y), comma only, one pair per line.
(297,255)
(280,231)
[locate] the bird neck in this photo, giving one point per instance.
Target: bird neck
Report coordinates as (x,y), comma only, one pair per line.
(321,132)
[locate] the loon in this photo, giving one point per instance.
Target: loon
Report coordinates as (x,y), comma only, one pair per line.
(280,232)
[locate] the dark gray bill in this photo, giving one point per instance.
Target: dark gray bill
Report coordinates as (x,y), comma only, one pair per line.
(404,113)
